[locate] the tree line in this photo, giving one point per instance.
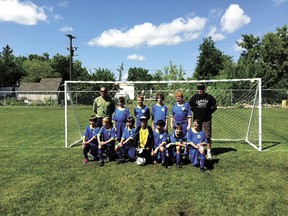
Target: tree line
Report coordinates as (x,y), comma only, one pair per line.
(265,58)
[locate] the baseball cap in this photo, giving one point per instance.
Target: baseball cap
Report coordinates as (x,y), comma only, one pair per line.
(200,86)
(143,118)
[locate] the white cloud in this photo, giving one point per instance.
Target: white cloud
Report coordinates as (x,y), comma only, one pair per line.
(178,31)
(234,18)
(279,2)
(216,36)
(136,57)
(25,13)
(64,4)
(66,29)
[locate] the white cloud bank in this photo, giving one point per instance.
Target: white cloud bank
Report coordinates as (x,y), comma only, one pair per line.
(66,29)
(136,57)
(176,32)
(233,19)
(25,13)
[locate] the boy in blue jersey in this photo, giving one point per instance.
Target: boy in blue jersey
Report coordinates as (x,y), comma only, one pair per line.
(181,113)
(106,140)
(141,110)
(196,140)
(127,145)
(176,139)
(159,111)
(120,117)
(90,142)
(160,140)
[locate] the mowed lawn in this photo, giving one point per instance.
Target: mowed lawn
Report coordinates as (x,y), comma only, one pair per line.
(39,176)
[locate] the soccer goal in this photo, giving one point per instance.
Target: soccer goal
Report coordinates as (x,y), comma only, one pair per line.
(238,117)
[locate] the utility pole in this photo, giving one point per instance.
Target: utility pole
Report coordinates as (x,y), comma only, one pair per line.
(71,49)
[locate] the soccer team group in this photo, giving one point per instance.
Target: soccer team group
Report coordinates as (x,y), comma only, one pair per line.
(115,134)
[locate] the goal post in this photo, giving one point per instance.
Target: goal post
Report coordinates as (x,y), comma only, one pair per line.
(239,101)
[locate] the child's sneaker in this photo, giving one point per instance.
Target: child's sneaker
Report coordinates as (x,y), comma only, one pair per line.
(85,161)
(101,163)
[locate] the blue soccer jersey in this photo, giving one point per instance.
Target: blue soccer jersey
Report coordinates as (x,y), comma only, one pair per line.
(127,134)
(159,113)
(181,112)
(91,132)
(141,111)
(106,134)
(173,138)
(196,137)
(121,114)
(159,137)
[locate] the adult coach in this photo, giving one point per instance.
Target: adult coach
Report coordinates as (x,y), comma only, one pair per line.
(203,105)
(103,106)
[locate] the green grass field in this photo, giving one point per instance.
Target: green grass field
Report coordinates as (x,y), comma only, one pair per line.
(40,177)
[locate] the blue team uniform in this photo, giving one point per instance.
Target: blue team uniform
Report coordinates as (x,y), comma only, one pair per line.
(129,148)
(196,137)
(120,117)
(106,134)
(93,145)
(172,150)
(141,111)
(159,113)
(158,139)
(181,113)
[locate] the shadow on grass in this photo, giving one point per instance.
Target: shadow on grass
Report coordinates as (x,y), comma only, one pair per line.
(269,144)
(222,150)
(209,164)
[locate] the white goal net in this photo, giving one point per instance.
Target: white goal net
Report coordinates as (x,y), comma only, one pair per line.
(238,117)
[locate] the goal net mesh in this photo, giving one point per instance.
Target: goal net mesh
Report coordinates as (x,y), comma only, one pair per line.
(238,117)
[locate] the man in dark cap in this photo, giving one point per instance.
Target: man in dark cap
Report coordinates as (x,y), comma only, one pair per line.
(203,105)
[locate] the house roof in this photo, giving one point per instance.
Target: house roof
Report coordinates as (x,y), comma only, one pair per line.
(46,84)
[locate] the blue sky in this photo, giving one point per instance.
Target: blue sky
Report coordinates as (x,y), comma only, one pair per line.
(139,33)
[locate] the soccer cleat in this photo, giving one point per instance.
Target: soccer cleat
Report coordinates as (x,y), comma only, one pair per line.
(179,165)
(91,157)
(164,165)
(101,163)
(121,161)
(202,170)
(85,161)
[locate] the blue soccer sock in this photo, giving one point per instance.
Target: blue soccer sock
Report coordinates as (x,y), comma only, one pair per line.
(202,160)
(119,154)
(178,159)
(100,153)
(163,157)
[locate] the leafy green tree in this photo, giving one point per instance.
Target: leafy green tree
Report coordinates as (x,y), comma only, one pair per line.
(140,74)
(275,56)
(10,71)
(36,69)
(210,61)
(61,64)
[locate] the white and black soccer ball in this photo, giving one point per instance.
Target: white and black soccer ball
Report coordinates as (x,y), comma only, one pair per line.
(141,161)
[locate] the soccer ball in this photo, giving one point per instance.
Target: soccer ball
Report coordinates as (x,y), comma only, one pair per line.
(141,161)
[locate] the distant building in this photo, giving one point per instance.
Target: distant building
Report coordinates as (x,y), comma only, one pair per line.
(47,88)
(127,91)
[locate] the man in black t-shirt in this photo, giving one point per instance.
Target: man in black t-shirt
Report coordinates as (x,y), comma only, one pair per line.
(203,106)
